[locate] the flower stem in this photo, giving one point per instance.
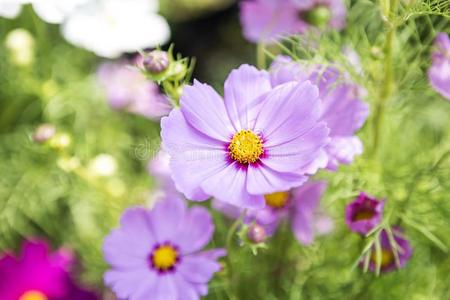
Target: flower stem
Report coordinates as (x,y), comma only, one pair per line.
(260,56)
(389,78)
(229,245)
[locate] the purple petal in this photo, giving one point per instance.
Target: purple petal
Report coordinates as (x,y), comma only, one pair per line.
(196,231)
(267,20)
(129,246)
(342,150)
(194,156)
(204,110)
(127,284)
(229,185)
(186,290)
(283,69)
(198,269)
(166,218)
(306,201)
(439,76)
(243,90)
(290,110)
(263,180)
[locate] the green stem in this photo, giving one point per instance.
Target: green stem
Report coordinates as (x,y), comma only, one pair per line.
(229,245)
(388,81)
(261,56)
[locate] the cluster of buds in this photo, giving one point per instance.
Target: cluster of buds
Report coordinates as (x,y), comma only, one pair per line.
(171,72)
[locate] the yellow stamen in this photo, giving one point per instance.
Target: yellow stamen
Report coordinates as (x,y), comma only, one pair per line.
(387,257)
(277,200)
(246,147)
(164,257)
(33,295)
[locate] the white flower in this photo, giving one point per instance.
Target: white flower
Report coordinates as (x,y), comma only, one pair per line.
(10,8)
(51,11)
(103,165)
(112,27)
(20,43)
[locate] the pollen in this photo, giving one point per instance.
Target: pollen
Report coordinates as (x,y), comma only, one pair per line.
(164,257)
(363,215)
(33,295)
(277,200)
(246,147)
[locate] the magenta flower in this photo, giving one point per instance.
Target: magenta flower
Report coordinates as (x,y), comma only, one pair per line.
(364,213)
(127,89)
(268,20)
(344,111)
(157,254)
(439,72)
(299,207)
(398,246)
(39,275)
(258,141)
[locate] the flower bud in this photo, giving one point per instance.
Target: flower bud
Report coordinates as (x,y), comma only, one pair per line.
(61,141)
(156,61)
(256,233)
(319,16)
(43,133)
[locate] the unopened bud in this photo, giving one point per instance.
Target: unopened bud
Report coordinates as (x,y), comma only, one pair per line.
(61,141)
(43,133)
(156,61)
(256,233)
(319,16)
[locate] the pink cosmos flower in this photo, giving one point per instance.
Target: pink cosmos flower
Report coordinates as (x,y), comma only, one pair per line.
(269,20)
(158,254)
(364,213)
(127,89)
(299,206)
(344,111)
(439,72)
(38,274)
(256,141)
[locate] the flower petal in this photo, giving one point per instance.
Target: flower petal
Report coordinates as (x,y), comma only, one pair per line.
(126,284)
(194,156)
(263,180)
(196,231)
(243,90)
(229,185)
(129,246)
(198,269)
(204,109)
(166,218)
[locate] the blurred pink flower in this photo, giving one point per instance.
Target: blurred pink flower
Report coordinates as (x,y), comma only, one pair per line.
(439,72)
(127,89)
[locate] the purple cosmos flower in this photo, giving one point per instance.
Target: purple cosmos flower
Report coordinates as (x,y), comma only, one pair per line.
(127,89)
(395,251)
(439,72)
(39,275)
(157,254)
(343,112)
(269,20)
(364,213)
(299,206)
(258,141)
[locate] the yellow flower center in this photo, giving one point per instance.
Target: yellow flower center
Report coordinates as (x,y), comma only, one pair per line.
(33,295)
(164,257)
(363,215)
(246,147)
(387,257)
(277,200)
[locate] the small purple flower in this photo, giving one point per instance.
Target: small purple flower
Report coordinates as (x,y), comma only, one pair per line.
(439,72)
(39,275)
(364,213)
(344,111)
(157,254)
(127,89)
(299,206)
(268,20)
(258,140)
(395,252)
